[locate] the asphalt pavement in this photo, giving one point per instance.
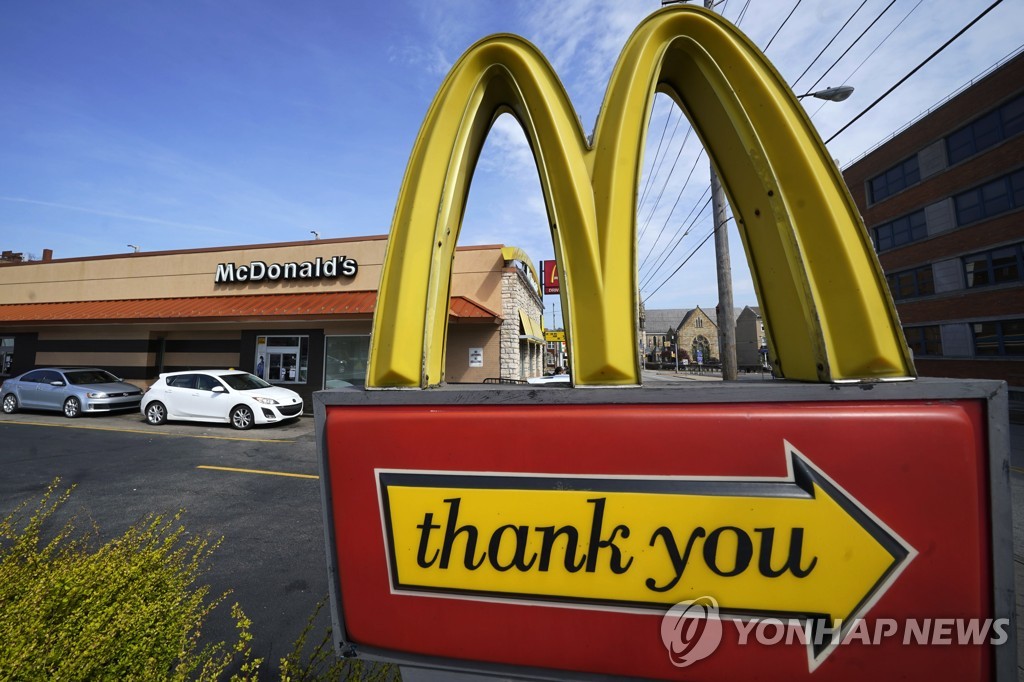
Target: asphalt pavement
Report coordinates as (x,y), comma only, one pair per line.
(257,489)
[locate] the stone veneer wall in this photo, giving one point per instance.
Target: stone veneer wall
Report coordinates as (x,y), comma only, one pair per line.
(519,359)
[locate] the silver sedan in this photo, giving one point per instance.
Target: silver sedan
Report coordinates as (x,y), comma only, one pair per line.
(73,391)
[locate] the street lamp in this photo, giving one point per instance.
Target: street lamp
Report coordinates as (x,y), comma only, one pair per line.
(836,94)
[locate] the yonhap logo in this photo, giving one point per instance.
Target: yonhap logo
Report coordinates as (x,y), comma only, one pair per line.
(691,631)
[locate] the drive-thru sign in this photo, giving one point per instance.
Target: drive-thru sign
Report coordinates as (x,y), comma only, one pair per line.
(553,533)
(825,506)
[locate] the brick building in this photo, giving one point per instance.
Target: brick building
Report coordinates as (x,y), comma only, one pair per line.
(943,201)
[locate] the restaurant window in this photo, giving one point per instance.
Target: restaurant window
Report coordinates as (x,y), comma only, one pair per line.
(345,359)
(282,359)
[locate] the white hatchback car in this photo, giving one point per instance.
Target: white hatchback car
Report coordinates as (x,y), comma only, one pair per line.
(219,395)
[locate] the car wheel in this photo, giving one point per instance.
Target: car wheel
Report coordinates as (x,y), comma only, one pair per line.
(10,404)
(72,408)
(242,418)
(156,413)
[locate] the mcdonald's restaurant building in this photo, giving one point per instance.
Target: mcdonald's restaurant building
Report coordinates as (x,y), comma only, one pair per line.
(299,314)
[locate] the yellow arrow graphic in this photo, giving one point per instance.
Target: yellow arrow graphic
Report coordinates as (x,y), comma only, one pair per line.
(796,547)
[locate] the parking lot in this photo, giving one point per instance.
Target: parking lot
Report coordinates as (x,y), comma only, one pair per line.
(257,489)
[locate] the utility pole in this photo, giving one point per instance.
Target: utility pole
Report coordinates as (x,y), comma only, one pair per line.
(726,321)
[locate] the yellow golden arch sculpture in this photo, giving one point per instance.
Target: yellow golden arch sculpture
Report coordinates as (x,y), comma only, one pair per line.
(826,307)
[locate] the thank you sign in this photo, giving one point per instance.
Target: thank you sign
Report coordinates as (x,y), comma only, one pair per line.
(800,540)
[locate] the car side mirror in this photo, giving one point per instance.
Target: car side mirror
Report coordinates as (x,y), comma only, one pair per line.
(219,389)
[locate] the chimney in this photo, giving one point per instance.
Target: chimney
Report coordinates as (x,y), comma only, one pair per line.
(47,254)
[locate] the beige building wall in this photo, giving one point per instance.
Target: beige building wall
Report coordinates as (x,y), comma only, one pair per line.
(476,274)
(462,338)
(172,274)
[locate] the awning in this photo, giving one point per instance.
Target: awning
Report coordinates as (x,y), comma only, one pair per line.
(531,330)
(331,304)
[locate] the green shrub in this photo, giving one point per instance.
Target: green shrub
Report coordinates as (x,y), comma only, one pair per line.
(132,609)
(322,665)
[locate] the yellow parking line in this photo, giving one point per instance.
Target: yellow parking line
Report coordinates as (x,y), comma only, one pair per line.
(1017,469)
(257,471)
(148,432)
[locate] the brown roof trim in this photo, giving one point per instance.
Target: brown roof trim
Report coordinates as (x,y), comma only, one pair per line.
(316,305)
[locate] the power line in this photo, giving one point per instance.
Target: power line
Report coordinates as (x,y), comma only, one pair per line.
(915,70)
(673,210)
(657,155)
(651,275)
(666,254)
(667,279)
(847,50)
(872,53)
(814,61)
(784,22)
(665,184)
(743,13)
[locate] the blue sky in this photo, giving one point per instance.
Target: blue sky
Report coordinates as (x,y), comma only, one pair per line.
(194,124)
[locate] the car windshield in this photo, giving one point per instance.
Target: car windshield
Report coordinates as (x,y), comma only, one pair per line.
(244,382)
(90,376)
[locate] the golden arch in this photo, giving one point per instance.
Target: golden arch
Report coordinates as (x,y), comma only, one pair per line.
(824,301)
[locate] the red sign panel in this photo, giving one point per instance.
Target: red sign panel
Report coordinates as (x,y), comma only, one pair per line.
(549,270)
(781,541)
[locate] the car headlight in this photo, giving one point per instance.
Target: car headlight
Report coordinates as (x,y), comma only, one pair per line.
(96,395)
(265,401)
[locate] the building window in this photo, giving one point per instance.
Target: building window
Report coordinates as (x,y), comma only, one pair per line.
(345,359)
(896,179)
(987,131)
(1003,337)
(925,340)
(991,199)
(997,266)
(282,359)
(701,350)
(699,324)
(909,228)
(912,283)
